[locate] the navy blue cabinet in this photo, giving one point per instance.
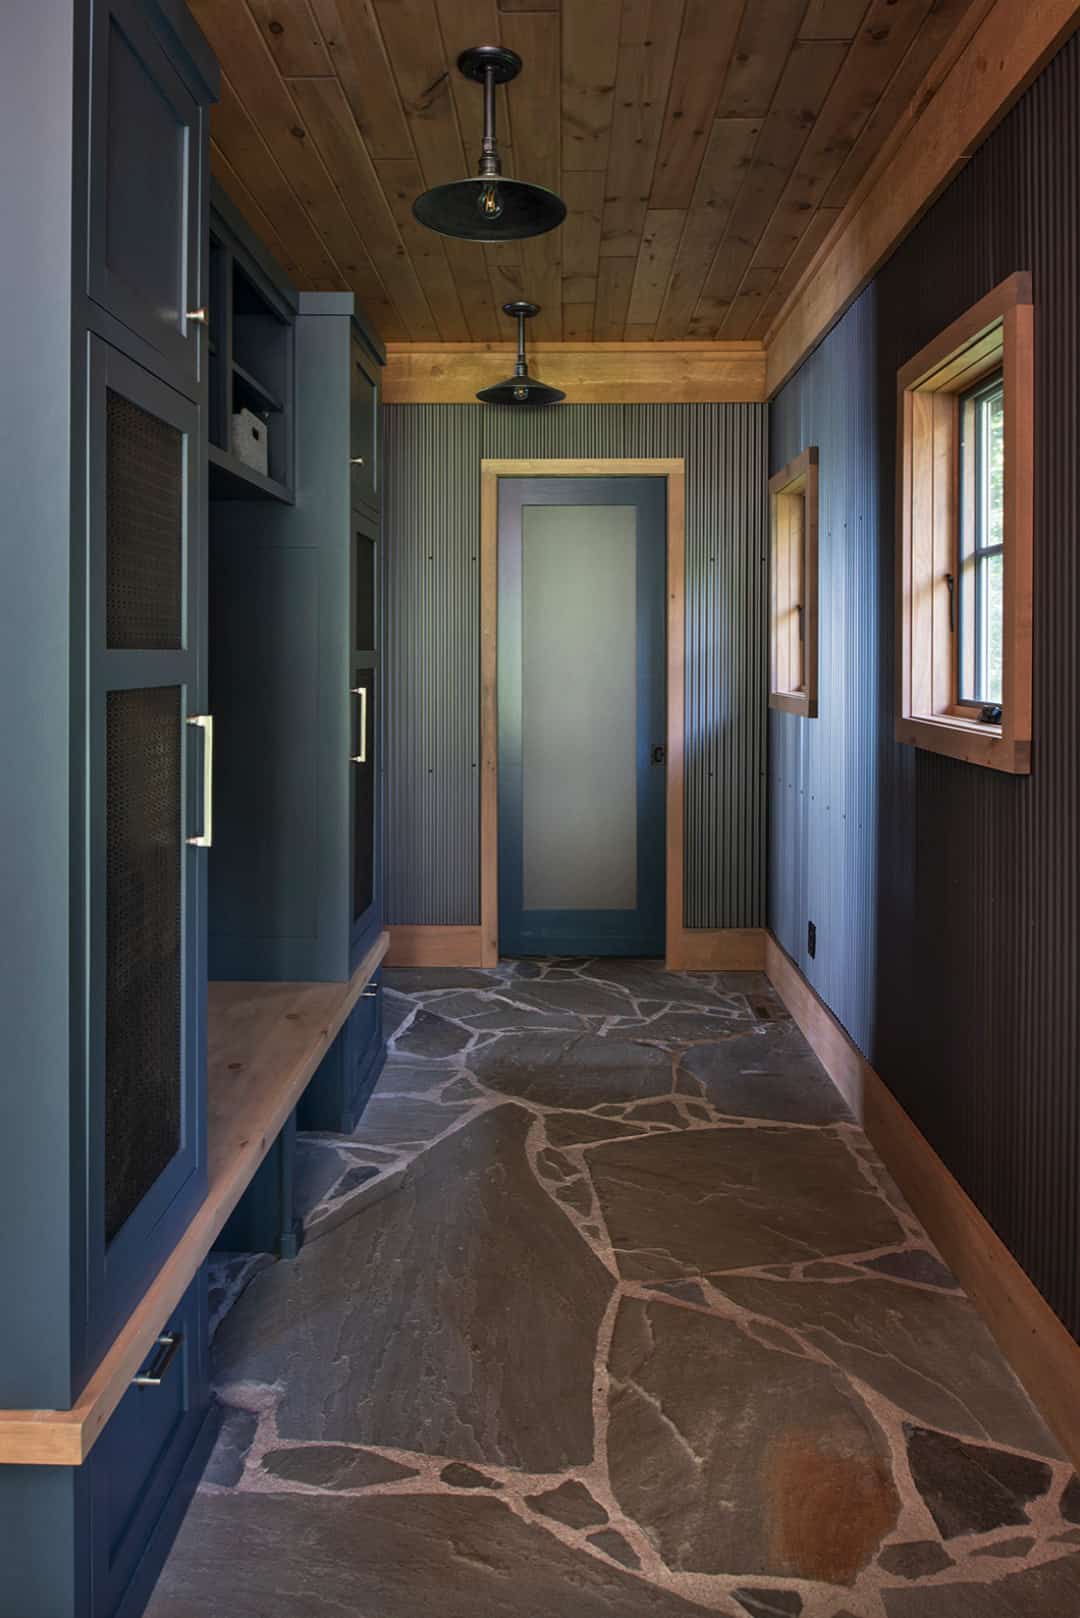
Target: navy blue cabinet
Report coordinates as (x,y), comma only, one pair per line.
(294,882)
(103,659)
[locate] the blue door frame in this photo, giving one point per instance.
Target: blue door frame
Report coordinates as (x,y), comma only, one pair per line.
(639,932)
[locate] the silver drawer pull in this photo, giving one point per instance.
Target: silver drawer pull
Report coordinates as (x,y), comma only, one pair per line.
(356,460)
(198,317)
(371,992)
(168,1348)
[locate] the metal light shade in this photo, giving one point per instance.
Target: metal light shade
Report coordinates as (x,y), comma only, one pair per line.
(490,208)
(521,389)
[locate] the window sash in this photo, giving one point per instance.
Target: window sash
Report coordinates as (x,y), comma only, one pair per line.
(976,553)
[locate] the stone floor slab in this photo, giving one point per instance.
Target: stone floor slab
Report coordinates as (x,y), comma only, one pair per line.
(556,1070)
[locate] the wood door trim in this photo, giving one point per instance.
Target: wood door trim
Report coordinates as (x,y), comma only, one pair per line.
(683,944)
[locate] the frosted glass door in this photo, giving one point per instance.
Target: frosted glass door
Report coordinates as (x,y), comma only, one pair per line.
(581,697)
(579,756)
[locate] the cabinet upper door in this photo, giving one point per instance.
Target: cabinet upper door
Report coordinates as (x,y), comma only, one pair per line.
(363,427)
(147,138)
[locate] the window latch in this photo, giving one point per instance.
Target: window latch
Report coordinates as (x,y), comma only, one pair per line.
(950,584)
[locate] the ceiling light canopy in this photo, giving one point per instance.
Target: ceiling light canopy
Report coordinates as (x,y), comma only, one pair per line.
(521,388)
(490,208)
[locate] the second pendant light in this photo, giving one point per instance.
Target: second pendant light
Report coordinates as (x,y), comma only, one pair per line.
(521,388)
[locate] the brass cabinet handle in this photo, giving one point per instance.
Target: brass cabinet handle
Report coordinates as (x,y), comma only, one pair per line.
(205,723)
(168,1348)
(198,317)
(361,692)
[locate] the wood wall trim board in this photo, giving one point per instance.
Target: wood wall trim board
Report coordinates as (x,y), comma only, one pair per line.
(438,946)
(1041,1351)
(946,122)
(589,373)
(265,1042)
(720,949)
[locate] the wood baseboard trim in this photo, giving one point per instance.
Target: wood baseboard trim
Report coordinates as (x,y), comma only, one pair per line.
(438,946)
(1043,1354)
(723,949)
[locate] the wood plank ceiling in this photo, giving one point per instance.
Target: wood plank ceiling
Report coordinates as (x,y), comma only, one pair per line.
(704,148)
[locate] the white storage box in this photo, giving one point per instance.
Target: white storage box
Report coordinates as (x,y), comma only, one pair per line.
(250,436)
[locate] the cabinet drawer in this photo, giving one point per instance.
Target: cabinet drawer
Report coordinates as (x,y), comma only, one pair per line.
(138,1460)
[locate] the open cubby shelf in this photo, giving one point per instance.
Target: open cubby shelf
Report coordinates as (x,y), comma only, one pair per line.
(250,392)
(230,479)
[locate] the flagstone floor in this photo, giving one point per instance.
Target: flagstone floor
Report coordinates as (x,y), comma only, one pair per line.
(609,1310)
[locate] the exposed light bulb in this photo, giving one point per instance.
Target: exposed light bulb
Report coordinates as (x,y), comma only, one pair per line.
(521,393)
(490,203)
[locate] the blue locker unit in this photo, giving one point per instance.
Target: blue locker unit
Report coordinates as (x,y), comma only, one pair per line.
(102,803)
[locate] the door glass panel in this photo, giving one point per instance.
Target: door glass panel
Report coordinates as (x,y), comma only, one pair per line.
(143,868)
(144,517)
(579,709)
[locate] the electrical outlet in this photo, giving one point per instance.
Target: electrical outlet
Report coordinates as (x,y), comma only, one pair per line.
(811,939)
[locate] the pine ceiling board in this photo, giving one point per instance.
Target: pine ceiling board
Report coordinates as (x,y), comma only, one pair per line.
(330,124)
(259,220)
(833,19)
(811,69)
(465,23)
(751,298)
(931,51)
(871,61)
(614,282)
(579,289)
(659,244)
(532,5)
(292,36)
(247,153)
(413,39)
(235,37)
(590,62)
(647,48)
(535,37)
(578,321)
(583,193)
(469,268)
(355,47)
(727,160)
(401,181)
(706,47)
(766,35)
(815,233)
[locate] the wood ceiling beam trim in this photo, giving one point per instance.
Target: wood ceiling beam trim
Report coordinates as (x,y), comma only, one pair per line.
(1006,53)
(591,373)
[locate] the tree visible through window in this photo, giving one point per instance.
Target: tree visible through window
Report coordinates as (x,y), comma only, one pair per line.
(982,533)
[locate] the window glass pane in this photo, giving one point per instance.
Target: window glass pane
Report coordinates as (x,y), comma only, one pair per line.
(993,468)
(992,628)
(579,707)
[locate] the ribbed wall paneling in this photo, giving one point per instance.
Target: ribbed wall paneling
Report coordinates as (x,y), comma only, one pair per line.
(947,897)
(431,534)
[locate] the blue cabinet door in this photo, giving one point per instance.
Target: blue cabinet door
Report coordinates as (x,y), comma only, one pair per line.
(142,894)
(147,204)
(582,721)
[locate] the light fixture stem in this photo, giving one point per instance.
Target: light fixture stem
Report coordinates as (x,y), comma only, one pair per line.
(489,153)
(521,368)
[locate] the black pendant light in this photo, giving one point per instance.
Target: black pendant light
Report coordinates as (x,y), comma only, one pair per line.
(521,388)
(490,208)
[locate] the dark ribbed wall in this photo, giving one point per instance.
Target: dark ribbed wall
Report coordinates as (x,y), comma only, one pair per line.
(947,897)
(430,674)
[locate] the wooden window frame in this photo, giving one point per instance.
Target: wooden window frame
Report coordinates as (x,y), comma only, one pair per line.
(793,534)
(996,334)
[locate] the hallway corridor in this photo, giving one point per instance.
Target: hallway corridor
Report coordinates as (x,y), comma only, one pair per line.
(608,1310)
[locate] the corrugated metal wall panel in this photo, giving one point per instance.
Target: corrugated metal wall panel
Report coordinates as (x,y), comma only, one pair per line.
(431,639)
(947,897)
